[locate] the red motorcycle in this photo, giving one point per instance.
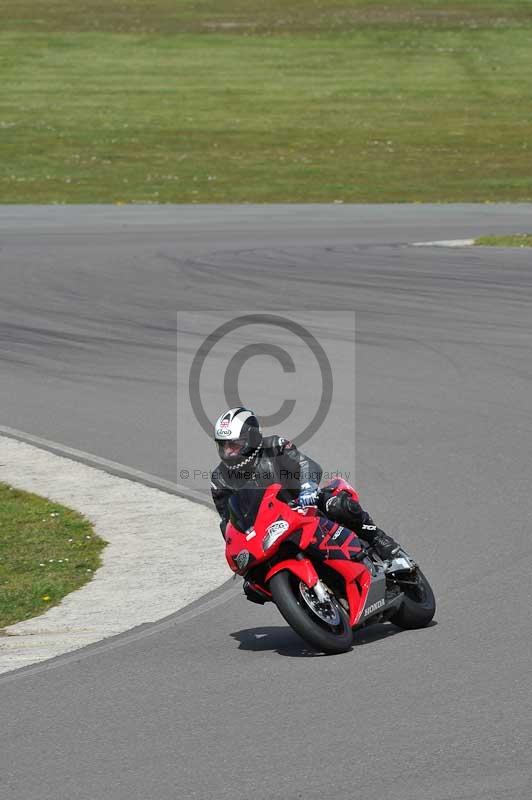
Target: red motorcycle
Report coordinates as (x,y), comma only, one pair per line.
(325,581)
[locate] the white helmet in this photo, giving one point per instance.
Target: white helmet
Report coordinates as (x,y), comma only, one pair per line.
(237,434)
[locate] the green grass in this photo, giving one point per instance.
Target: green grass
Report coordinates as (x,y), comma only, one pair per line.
(515,240)
(46,551)
(250,101)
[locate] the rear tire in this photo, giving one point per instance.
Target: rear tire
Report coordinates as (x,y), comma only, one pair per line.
(419,604)
(326,638)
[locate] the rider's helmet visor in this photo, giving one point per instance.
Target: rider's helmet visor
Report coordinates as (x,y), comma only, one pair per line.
(232,449)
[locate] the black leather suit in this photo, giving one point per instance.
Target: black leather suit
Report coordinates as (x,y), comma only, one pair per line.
(279,461)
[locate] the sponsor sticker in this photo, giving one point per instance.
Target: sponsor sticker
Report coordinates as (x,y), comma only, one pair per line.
(373,607)
(274,532)
(223,432)
(337,534)
(277,528)
(285,444)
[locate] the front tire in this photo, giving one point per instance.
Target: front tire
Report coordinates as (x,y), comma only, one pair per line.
(334,636)
(419,604)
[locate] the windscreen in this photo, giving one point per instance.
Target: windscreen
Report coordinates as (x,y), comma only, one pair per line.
(244,505)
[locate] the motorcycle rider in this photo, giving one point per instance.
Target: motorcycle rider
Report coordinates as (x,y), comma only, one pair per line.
(250,459)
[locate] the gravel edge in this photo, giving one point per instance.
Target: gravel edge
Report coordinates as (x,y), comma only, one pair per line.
(163,553)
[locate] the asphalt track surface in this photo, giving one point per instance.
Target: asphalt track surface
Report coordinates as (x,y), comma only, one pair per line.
(224,701)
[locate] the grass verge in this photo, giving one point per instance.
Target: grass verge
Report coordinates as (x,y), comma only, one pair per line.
(264,101)
(516,240)
(46,551)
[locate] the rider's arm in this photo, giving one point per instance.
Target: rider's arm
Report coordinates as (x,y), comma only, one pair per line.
(220,495)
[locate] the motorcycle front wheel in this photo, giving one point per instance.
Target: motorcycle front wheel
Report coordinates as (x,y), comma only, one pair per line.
(324,625)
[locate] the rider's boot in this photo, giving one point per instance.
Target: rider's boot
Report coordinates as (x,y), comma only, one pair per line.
(385,547)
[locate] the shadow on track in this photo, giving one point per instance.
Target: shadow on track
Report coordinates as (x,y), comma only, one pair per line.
(286,642)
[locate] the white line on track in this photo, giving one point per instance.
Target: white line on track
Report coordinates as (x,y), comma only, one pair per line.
(446,243)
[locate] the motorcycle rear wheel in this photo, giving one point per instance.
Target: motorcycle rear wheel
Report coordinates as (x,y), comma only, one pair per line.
(327,637)
(419,604)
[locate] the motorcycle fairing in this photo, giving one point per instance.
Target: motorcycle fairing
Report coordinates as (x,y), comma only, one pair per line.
(376,596)
(357,579)
(302,568)
(333,544)
(336,542)
(250,542)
